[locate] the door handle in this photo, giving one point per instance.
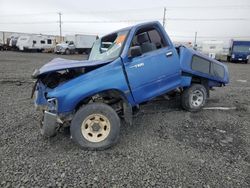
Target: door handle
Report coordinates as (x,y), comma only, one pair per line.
(168,54)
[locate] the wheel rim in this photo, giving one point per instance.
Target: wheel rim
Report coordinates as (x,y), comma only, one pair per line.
(95,128)
(197,98)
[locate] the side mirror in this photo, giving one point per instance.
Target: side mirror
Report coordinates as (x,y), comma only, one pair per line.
(135,51)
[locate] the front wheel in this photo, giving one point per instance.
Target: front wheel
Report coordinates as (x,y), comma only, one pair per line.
(194,97)
(95,126)
(67,52)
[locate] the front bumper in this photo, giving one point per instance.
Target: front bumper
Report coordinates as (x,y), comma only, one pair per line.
(50,119)
(60,50)
(239,59)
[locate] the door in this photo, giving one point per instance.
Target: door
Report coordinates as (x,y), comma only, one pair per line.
(157,70)
(71,45)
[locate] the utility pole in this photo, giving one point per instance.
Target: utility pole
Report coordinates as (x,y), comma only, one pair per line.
(3,37)
(164,17)
(60,25)
(195,41)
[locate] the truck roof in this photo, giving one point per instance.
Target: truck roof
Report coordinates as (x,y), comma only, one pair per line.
(241,41)
(137,25)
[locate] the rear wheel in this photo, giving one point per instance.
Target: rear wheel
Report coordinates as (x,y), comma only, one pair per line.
(194,97)
(95,127)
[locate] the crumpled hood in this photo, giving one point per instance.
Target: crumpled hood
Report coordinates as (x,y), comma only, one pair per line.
(62,64)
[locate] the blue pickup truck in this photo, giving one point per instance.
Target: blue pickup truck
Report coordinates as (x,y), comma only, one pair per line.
(125,69)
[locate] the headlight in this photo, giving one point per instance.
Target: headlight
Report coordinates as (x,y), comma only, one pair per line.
(233,56)
(52,105)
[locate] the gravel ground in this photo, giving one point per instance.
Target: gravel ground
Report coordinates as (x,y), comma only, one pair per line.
(165,146)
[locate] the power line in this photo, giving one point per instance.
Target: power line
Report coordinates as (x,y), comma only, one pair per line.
(210,7)
(169,19)
(28,14)
(132,20)
(139,9)
(108,21)
(209,19)
(40,22)
(182,36)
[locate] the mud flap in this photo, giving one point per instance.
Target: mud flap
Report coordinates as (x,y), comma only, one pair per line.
(49,124)
(128,113)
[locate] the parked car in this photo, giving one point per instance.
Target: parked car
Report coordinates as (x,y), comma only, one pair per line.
(239,51)
(142,63)
(76,43)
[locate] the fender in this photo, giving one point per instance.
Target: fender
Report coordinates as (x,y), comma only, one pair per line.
(108,77)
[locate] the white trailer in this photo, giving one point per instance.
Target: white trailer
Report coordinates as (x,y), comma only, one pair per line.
(212,48)
(76,43)
(35,42)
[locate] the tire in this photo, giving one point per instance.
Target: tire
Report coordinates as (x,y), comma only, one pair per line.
(84,129)
(87,51)
(194,98)
(67,52)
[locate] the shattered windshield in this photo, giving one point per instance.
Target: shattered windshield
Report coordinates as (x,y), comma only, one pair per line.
(108,47)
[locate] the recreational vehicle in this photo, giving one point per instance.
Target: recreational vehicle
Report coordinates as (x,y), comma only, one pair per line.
(35,43)
(212,48)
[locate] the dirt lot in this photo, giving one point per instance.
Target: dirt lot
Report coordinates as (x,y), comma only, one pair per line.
(165,147)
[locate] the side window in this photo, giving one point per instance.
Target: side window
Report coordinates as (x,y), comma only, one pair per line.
(149,39)
(200,64)
(156,39)
(49,41)
(34,42)
(42,42)
(217,70)
(207,67)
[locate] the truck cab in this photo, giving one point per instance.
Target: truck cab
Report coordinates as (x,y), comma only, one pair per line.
(239,51)
(125,69)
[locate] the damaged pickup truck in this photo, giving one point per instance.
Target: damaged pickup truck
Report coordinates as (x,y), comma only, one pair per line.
(125,69)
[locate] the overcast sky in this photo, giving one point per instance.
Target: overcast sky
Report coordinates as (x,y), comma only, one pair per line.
(213,19)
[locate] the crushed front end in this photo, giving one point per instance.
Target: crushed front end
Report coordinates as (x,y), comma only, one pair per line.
(49,78)
(52,119)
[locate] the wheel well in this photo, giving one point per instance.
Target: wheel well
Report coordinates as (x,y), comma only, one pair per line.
(113,98)
(203,81)
(105,96)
